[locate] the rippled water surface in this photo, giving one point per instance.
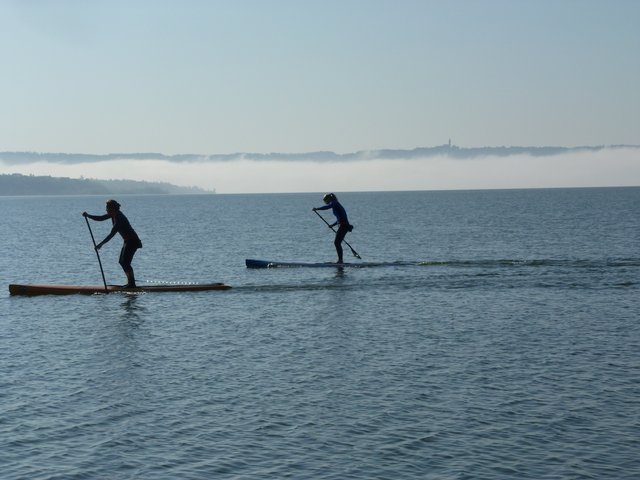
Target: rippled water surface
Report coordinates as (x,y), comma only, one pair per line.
(505,345)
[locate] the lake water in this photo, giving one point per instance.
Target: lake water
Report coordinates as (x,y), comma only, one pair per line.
(511,352)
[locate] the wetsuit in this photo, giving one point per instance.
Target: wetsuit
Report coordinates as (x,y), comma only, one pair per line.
(132,242)
(343,224)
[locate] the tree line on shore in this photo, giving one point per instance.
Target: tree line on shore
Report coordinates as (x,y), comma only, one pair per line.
(17,184)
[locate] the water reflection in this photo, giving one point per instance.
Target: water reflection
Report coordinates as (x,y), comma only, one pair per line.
(132,310)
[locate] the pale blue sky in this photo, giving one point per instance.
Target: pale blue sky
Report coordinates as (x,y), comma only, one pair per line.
(189,76)
(214,77)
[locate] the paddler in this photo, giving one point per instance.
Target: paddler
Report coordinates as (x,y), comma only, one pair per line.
(331,202)
(122,226)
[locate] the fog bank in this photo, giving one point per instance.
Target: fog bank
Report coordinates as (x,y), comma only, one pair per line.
(609,167)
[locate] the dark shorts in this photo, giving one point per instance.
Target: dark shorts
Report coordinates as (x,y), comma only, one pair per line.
(129,249)
(343,229)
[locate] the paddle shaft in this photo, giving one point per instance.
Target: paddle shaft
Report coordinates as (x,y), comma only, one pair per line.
(355,254)
(95,247)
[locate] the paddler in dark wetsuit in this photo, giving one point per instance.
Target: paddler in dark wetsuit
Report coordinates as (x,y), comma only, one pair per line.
(331,201)
(131,240)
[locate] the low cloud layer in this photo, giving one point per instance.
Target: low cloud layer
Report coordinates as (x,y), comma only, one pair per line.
(585,167)
(450,151)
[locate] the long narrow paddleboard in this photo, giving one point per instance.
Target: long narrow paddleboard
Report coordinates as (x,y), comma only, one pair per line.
(15,289)
(251,263)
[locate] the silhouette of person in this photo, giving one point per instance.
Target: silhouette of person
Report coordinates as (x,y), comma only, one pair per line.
(331,202)
(122,226)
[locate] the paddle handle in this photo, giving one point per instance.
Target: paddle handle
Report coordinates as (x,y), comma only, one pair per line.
(355,254)
(95,248)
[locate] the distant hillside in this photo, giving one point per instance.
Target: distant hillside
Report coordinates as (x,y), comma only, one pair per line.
(448,150)
(17,184)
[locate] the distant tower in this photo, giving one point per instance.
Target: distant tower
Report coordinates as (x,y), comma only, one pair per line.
(449,143)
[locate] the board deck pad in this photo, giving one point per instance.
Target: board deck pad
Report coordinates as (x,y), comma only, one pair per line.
(33,289)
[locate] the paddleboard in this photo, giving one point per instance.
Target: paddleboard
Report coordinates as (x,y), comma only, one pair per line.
(252,263)
(30,289)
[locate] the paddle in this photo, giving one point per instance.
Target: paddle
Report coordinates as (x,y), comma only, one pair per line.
(95,247)
(355,254)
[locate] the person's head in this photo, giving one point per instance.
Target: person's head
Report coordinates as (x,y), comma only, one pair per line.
(112,206)
(329,197)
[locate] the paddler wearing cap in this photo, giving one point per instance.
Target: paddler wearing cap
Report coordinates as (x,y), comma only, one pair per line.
(122,226)
(331,202)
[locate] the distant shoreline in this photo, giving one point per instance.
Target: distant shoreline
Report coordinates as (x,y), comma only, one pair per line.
(16,184)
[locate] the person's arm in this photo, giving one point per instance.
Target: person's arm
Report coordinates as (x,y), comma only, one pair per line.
(98,218)
(114,230)
(324,207)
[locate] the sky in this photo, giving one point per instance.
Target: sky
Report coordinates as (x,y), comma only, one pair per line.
(290,76)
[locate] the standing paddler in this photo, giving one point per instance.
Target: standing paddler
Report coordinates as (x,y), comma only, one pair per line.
(331,202)
(122,226)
